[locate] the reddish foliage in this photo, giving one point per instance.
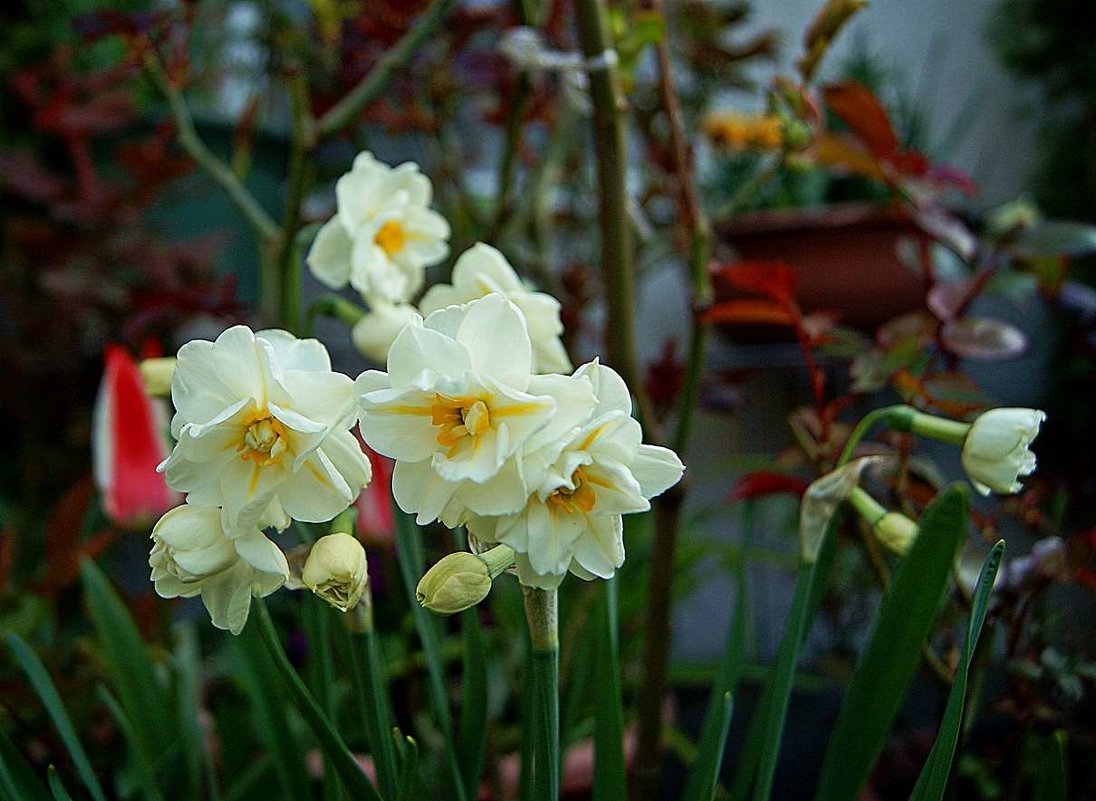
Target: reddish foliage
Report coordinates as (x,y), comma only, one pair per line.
(760,483)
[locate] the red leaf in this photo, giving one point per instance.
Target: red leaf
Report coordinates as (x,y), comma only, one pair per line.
(772,279)
(749,310)
(855,104)
(765,482)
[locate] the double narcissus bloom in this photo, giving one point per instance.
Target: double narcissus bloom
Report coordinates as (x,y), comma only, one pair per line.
(384,233)
(458,405)
(581,486)
(545,464)
(262,429)
(194,554)
(481,270)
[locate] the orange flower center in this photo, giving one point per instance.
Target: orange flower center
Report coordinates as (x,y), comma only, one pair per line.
(458,418)
(264,441)
(391,237)
(580,499)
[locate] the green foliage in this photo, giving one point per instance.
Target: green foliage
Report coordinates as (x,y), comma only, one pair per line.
(886,667)
(933,780)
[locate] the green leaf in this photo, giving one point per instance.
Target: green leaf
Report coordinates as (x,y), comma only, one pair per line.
(1052,780)
(56,786)
(890,659)
(146,774)
(700,785)
(610,777)
(410,784)
(17,778)
(331,743)
(131,671)
(271,717)
(47,692)
(412,566)
(192,740)
(473,712)
(761,745)
(934,775)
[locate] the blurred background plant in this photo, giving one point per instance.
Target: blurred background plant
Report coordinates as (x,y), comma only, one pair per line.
(112,232)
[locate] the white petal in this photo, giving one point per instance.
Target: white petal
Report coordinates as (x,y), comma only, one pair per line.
(531,578)
(656,469)
(552,536)
(419,348)
(296,354)
(228,599)
(326,398)
(497,340)
(482,269)
(397,423)
(262,554)
(418,489)
(600,550)
(329,256)
(317,492)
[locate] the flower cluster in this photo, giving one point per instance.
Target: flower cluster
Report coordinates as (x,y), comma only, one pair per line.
(545,464)
(262,432)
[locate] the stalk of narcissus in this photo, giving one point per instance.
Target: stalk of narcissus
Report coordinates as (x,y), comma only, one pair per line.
(542,616)
(896,531)
(995,450)
(461,580)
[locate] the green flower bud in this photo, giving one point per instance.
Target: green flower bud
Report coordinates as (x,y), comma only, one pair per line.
(461,580)
(157,374)
(336,570)
(896,531)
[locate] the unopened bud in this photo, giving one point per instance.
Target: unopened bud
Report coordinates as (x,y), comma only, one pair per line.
(336,570)
(461,580)
(156,374)
(896,531)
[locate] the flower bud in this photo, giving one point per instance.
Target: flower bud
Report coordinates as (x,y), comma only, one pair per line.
(336,570)
(374,333)
(461,580)
(995,451)
(896,531)
(157,374)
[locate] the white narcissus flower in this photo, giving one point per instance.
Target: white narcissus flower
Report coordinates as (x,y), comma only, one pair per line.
(481,270)
(582,484)
(458,404)
(193,555)
(995,450)
(336,570)
(384,233)
(376,330)
(262,428)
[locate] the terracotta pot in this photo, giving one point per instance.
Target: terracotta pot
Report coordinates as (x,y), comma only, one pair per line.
(844,257)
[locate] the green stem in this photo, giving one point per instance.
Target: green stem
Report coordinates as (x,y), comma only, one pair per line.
(377,80)
(617,256)
(288,261)
(334,749)
(380,717)
(410,561)
(217,169)
(542,615)
(897,417)
(610,779)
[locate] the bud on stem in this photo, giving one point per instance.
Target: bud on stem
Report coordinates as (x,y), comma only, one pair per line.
(461,580)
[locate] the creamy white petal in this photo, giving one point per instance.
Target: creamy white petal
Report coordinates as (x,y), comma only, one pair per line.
(495,335)
(397,423)
(317,492)
(600,550)
(262,554)
(329,257)
(417,489)
(656,469)
(419,348)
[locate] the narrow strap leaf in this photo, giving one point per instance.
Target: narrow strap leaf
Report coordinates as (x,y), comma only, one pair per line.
(933,780)
(1052,780)
(887,665)
(17,778)
(334,749)
(473,710)
(56,786)
(47,692)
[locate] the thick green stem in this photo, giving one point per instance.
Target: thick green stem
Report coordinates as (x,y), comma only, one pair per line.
(288,263)
(380,717)
(377,80)
(542,615)
(617,256)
